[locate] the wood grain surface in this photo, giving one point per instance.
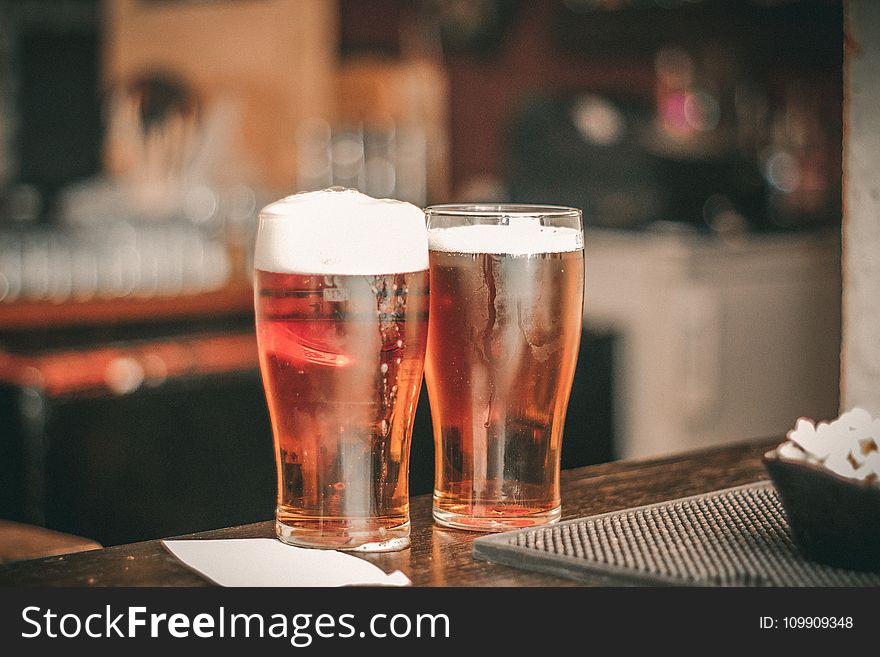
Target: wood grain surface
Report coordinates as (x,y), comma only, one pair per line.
(438,557)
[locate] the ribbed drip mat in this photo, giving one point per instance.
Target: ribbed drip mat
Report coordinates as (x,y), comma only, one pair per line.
(733,537)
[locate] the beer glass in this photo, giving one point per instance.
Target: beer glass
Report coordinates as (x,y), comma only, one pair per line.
(341,300)
(506,309)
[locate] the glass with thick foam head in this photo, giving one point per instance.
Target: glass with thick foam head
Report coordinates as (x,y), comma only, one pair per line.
(341,297)
(507,287)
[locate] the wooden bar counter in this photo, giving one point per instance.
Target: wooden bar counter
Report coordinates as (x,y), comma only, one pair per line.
(438,557)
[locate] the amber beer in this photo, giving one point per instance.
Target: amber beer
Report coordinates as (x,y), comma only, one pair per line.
(505,324)
(341,356)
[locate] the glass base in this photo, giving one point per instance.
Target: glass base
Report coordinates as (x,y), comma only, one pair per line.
(495,522)
(382,540)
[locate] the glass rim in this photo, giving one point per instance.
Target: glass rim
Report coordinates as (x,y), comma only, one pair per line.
(501,210)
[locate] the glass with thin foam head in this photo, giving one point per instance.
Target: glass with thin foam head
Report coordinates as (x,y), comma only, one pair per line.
(341,296)
(506,305)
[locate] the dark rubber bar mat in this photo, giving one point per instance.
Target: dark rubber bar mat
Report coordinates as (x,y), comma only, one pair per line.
(733,537)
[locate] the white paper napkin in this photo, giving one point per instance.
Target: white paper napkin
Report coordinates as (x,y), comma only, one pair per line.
(268,562)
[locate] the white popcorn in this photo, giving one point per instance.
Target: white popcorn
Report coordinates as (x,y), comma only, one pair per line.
(858,419)
(790,450)
(848,446)
(839,462)
(814,440)
(870,467)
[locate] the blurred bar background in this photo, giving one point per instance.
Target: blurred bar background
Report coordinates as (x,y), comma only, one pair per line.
(139,138)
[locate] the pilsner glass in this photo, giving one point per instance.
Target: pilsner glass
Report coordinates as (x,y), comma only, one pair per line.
(506,306)
(341,299)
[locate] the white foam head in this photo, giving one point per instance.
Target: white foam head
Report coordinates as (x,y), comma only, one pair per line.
(341,232)
(522,236)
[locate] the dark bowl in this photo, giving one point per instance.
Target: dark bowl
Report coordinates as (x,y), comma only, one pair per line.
(833,519)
